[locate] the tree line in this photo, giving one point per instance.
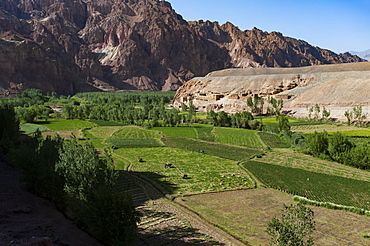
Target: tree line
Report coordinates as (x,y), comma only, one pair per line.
(75,177)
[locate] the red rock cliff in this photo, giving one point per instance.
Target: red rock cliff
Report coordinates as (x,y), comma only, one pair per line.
(132,45)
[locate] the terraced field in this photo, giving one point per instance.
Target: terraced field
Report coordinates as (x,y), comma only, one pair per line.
(229,152)
(185,132)
(204,173)
(315,186)
(288,158)
(135,132)
(347,130)
(197,167)
(238,137)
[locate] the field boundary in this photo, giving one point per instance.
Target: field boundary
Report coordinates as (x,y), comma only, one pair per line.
(223,235)
(330,205)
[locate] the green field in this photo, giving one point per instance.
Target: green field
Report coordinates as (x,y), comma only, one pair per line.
(315,186)
(205,173)
(289,158)
(103,131)
(135,132)
(355,133)
(63,124)
(107,123)
(238,137)
(29,128)
(135,142)
(205,133)
(215,149)
(272,140)
(185,132)
(272,120)
(347,130)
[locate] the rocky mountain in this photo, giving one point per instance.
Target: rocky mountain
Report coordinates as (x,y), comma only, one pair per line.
(364,54)
(70,46)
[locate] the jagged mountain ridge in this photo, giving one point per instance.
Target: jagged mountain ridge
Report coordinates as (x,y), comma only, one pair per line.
(82,45)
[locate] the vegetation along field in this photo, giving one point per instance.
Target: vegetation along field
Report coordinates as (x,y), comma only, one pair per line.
(223,168)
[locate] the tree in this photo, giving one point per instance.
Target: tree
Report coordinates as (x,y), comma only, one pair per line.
(283,123)
(9,127)
(349,116)
(358,115)
(277,105)
(294,227)
(325,113)
(90,184)
(339,147)
(223,119)
(212,116)
(255,104)
(191,112)
(317,111)
(318,143)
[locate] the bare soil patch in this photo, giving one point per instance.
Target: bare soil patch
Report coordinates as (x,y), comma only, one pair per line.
(246,213)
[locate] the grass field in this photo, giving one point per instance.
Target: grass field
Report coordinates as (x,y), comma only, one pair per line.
(29,128)
(63,124)
(107,123)
(104,131)
(64,133)
(185,132)
(272,140)
(347,130)
(315,186)
(205,133)
(272,120)
(355,133)
(135,132)
(135,142)
(238,137)
(214,149)
(205,173)
(288,158)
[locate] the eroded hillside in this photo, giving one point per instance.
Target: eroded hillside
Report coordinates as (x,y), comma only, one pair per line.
(336,87)
(72,46)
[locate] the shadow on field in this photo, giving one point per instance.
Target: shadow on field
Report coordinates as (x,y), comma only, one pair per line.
(159,224)
(145,186)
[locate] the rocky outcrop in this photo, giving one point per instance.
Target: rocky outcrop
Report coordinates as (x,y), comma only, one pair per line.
(338,88)
(133,45)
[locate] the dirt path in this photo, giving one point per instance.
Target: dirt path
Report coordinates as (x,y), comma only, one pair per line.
(167,223)
(26,219)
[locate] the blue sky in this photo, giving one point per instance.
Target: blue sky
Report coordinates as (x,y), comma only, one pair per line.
(337,25)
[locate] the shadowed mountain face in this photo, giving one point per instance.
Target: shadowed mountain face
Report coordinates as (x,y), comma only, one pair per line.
(70,46)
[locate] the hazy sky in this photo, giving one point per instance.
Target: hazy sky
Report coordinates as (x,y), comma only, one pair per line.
(337,25)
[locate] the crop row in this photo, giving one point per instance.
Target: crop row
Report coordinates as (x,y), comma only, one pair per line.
(238,137)
(272,140)
(315,186)
(215,149)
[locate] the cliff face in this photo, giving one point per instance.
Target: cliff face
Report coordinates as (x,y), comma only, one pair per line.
(132,45)
(337,87)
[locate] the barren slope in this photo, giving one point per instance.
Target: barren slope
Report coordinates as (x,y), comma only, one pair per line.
(336,87)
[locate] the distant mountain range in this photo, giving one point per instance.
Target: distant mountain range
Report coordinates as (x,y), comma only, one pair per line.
(69,46)
(363,54)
